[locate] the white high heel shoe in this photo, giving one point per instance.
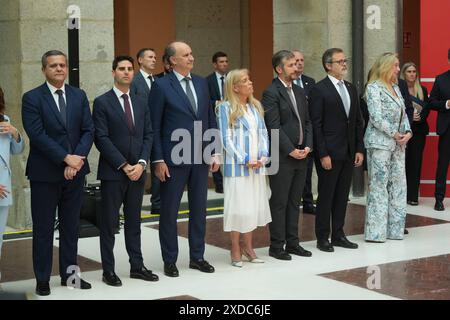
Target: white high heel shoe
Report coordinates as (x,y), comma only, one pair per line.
(237,264)
(250,259)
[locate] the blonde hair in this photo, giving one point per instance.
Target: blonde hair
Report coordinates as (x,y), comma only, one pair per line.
(382,68)
(418,92)
(237,110)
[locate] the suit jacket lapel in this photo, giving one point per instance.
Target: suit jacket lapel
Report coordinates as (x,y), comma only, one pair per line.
(333,89)
(137,111)
(396,100)
(283,91)
(179,90)
(51,102)
(142,82)
(198,91)
(216,85)
(115,104)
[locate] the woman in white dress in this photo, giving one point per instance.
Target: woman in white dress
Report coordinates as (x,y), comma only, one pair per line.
(245,151)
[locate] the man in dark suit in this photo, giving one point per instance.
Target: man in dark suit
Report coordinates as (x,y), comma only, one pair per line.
(166,65)
(58,122)
(306,84)
(216,82)
(179,103)
(123,135)
(286,110)
(141,86)
(338,147)
(440,101)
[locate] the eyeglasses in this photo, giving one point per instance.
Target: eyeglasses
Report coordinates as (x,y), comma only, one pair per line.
(341,62)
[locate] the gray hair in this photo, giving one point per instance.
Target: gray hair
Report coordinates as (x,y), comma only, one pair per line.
(49,54)
(279,57)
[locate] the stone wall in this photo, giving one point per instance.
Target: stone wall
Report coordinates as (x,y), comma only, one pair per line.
(29,28)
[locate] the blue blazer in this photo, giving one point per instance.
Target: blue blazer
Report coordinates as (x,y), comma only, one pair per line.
(236,143)
(387,116)
(50,139)
(115,141)
(8,146)
(170,110)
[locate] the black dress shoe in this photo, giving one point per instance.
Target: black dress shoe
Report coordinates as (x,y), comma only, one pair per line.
(309,208)
(413,203)
(111,279)
(42,288)
(143,274)
(279,254)
(170,270)
(299,251)
(344,243)
(201,265)
(439,205)
(324,245)
(84,285)
(405,231)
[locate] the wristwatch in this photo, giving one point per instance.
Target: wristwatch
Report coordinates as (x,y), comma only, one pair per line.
(143,164)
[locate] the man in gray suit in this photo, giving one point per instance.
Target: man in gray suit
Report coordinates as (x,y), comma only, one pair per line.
(141,86)
(286,110)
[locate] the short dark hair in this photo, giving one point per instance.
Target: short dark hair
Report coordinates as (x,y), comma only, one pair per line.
(118,59)
(328,56)
(2,102)
(217,55)
(141,52)
(49,54)
(279,57)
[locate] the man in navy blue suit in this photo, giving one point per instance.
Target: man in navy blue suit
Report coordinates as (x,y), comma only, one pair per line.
(123,135)
(180,102)
(57,119)
(216,81)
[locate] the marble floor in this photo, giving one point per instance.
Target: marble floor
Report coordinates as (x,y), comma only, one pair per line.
(417,267)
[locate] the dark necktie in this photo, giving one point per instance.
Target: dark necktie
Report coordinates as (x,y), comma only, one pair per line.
(150,77)
(221,83)
(190,95)
(127,107)
(62,105)
(294,103)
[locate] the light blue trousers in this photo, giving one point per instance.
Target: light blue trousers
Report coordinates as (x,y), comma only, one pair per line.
(386,198)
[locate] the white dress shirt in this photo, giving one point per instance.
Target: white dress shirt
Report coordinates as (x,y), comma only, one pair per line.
(55,95)
(336,85)
(219,82)
(183,84)
(147,80)
(122,104)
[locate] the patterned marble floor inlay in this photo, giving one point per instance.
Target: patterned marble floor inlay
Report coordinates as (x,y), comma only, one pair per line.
(17,263)
(418,279)
(354,225)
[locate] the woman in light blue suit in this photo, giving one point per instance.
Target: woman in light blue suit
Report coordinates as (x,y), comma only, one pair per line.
(385,139)
(245,151)
(10,143)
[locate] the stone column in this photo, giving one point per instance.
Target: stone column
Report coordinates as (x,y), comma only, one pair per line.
(29,28)
(313,26)
(382,30)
